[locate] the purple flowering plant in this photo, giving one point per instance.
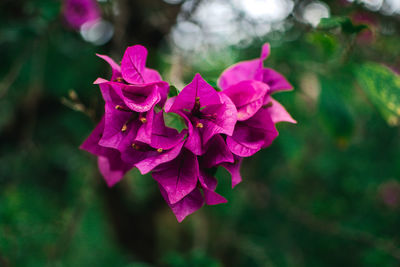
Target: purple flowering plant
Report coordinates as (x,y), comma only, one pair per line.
(221,127)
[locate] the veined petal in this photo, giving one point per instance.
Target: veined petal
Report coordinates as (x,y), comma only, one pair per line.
(155,159)
(162,136)
(217,152)
(224,121)
(109,160)
(245,70)
(118,125)
(262,122)
(133,64)
(178,177)
(151,75)
(186,206)
(248,97)
(242,147)
(112,167)
(145,131)
(275,80)
(278,113)
(198,88)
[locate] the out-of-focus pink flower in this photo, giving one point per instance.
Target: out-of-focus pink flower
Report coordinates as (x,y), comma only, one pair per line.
(390,193)
(79,12)
(368,35)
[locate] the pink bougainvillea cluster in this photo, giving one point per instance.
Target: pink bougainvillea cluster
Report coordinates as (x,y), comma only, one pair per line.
(221,126)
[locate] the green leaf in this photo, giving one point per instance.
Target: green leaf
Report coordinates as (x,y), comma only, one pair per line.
(173,91)
(175,121)
(382,87)
(344,23)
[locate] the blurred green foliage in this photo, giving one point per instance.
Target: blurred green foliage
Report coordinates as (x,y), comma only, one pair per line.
(326,193)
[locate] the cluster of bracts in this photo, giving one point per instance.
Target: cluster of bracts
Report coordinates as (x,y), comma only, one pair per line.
(221,126)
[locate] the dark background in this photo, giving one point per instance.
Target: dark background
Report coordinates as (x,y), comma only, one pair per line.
(326,193)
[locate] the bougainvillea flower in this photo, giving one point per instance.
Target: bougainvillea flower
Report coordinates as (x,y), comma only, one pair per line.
(130,101)
(133,71)
(165,145)
(79,12)
(109,160)
(249,85)
(254,70)
(121,120)
(206,111)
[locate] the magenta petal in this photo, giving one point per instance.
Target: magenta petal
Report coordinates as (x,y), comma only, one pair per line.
(244,148)
(186,206)
(197,88)
(265,51)
(164,137)
(248,97)
(245,70)
(112,168)
(225,120)
(234,170)
(150,75)
(245,140)
(275,80)
(110,164)
(278,113)
(91,144)
(145,131)
(115,120)
(110,95)
(116,69)
(208,184)
(213,198)
(216,153)
(262,122)
(155,159)
(141,98)
(133,64)
(194,141)
(178,177)
(206,180)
